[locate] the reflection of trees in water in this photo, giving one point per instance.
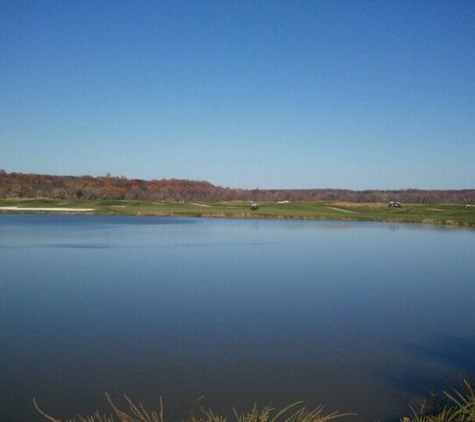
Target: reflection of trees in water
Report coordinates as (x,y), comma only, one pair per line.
(446,361)
(443,365)
(393,227)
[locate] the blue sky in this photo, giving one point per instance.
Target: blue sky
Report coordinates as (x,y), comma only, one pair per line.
(246,94)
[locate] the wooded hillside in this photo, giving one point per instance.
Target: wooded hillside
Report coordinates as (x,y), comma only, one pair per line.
(20,185)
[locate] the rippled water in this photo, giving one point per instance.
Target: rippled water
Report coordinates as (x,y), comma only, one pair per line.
(360,316)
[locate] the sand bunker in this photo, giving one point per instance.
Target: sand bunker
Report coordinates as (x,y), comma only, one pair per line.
(339,209)
(47,209)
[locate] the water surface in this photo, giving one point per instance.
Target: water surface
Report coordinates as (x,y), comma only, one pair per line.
(360,316)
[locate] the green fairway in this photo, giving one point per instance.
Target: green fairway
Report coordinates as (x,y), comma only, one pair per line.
(429,214)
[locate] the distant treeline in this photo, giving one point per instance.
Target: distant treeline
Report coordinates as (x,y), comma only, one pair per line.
(20,185)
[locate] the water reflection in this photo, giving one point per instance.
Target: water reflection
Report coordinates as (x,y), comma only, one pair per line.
(457,352)
(438,363)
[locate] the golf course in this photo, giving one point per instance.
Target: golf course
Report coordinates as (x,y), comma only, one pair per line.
(441,214)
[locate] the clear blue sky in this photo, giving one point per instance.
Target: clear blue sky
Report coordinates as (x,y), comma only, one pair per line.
(354,94)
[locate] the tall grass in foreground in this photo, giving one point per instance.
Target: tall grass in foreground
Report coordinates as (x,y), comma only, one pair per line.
(137,413)
(456,406)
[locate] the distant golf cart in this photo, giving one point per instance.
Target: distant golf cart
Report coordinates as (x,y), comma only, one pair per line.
(255,206)
(393,204)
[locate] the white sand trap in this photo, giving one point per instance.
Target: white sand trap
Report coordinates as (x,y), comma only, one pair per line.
(199,205)
(48,209)
(339,209)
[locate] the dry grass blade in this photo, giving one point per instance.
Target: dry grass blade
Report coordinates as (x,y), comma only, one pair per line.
(142,414)
(301,415)
(96,418)
(43,413)
(192,417)
(285,409)
(137,413)
(211,417)
(315,415)
(254,415)
(123,417)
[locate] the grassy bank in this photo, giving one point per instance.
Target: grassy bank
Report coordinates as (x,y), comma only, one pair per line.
(455,215)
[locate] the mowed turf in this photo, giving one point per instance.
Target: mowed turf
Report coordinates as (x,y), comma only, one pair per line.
(452,214)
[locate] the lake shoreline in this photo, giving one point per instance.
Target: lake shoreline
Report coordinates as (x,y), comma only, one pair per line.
(431,214)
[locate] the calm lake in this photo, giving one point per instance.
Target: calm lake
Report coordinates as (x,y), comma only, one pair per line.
(362,317)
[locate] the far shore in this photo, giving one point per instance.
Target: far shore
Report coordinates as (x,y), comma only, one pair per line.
(433,214)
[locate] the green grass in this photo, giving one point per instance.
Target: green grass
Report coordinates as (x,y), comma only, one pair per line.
(456,215)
